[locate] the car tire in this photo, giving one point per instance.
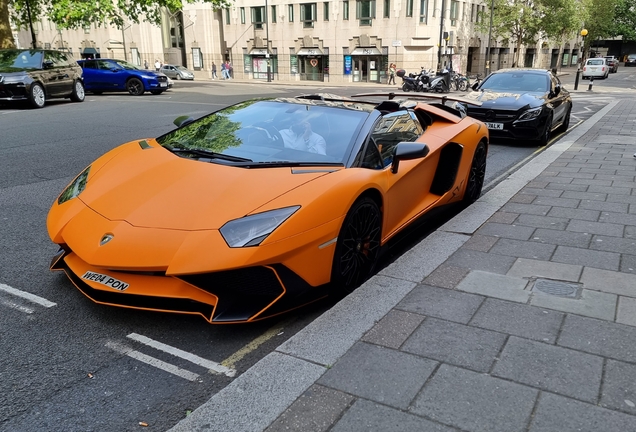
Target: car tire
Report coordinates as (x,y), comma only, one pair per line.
(156,92)
(135,87)
(37,96)
(545,137)
(358,246)
(477,174)
(78,94)
(178,77)
(566,121)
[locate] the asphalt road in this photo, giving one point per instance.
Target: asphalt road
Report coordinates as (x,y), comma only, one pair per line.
(68,364)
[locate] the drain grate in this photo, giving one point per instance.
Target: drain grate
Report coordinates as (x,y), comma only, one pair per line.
(556,288)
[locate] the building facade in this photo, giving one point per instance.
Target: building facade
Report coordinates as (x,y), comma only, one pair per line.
(295,40)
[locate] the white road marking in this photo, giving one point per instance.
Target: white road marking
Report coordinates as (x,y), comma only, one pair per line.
(17,306)
(208,364)
(27,296)
(159,364)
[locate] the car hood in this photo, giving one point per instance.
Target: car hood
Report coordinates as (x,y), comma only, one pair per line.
(154,188)
(11,72)
(507,100)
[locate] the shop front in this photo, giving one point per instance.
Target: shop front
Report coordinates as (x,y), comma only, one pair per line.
(255,63)
(367,65)
(313,64)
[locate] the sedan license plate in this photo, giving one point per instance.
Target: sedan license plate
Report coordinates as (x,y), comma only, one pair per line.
(498,126)
(163,84)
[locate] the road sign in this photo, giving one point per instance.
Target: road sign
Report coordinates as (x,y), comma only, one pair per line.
(397,43)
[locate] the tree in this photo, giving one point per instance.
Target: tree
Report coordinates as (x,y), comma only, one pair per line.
(515,20)
(625,19)
(73,14)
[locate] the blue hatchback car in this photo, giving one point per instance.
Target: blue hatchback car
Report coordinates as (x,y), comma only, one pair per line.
(101,75)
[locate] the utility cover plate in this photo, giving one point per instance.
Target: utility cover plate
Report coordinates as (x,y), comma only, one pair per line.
(556,288)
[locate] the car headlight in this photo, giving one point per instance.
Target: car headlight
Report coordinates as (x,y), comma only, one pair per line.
(149,77)
(252,230)
(75,188)
(531,114)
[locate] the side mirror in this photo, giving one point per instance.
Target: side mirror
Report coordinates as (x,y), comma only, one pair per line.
(183,120)
(407,151)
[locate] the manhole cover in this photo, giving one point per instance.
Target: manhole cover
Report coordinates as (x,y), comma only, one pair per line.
(556,288)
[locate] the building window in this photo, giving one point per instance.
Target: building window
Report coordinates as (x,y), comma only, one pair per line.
(387,8)
(325,10)
(227,16)
(454,9)
(258,16)
(434,8)
(409,8)
(423,11)
(345,10)
(472,12)
(273,14)
(365,11)
(290,12)
(242,15)
(308,14)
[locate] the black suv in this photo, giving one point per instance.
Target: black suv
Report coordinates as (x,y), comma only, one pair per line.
(36,75)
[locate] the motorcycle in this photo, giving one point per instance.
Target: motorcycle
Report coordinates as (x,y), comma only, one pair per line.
(439,84)
(409,83)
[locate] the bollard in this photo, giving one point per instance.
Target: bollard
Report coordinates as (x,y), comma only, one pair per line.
(589,88)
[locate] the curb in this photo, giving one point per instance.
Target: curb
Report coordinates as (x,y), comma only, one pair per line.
(258,396)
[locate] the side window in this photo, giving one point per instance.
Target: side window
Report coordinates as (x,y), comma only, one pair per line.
(57,58)
(392,129)
(89,64)
(105,65)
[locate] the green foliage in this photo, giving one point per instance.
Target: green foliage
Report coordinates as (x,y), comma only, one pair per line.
(625,19)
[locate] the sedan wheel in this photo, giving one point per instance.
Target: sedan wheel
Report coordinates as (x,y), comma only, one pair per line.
(546,132)
(37,97)
(178,77)
(78,93)
(566,121)
(135,87)
(358,245)
(477,175)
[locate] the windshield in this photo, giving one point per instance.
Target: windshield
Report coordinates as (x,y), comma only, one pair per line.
(516,82)
(16,60)
(126,65)
(270,132)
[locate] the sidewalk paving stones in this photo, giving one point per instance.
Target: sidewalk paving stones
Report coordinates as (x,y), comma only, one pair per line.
(519,315)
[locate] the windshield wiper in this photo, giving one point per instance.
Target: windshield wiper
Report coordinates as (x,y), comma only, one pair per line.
(208,154)
(274,164)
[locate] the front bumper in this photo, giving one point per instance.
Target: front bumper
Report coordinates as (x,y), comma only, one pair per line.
(511,127)
(13,92)
(232,296)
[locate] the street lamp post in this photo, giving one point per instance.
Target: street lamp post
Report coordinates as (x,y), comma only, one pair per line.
(33,39)
(492,11)
(578,69)
(267,58)
(441,37)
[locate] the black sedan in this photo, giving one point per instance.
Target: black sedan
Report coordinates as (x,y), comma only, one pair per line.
(522,104)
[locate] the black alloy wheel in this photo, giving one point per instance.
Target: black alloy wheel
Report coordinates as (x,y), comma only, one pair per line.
(135,87)
(545,137)
(566,121)
(475,181)
(37,96)
(358,245)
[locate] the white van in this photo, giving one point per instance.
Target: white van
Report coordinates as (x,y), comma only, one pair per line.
(595,68)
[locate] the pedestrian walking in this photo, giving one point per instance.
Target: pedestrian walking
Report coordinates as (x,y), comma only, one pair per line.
(157,65)
(146,64)
(223,71)
(392,72)
(214,71)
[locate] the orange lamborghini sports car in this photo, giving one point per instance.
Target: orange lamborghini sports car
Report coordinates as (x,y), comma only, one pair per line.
(265,205)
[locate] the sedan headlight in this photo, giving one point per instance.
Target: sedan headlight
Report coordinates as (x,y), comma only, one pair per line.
(531,114)
(252,230)
(75,188)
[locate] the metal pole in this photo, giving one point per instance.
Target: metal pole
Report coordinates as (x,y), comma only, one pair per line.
(492,11)
(123,40)
(269,69)
(441,37)
(33,40)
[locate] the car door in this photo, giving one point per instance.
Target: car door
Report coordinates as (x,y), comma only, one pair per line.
(407,192)
(558,101)
(112,75)
(91,75)
(58,74)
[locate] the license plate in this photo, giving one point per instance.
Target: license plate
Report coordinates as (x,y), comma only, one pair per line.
(163,84)
(105,280)
(498,126)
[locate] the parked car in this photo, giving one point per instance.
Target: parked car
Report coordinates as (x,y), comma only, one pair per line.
(630,60)
(324,182)
(177,72)
(36,75)
(595,68)
(522,104)
(104,75)
(612,63)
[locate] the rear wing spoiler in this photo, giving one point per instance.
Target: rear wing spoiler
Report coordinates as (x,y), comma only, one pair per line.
(441,97)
